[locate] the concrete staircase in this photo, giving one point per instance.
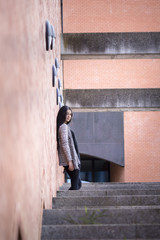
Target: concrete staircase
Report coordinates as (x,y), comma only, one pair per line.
(104,211)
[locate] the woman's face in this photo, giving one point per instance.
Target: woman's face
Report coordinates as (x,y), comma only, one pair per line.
(68,116)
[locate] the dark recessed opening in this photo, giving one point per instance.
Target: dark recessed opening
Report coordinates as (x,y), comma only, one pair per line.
(43,204)
(94,169)
(19,234)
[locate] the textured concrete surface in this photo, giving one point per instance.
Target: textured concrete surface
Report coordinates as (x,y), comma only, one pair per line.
(112,215)
(113,98)
(110,44)
(111,192)
(101,231)
(63,202)
(72,214)
(116,186)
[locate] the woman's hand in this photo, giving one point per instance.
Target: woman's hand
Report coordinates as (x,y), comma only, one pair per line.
(71,166)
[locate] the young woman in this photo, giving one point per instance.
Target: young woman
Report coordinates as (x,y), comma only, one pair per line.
(67,147)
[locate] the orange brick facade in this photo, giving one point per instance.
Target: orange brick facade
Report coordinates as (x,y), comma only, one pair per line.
(142,151)
(111,16)
(121,73)
(29,172)
(141,129)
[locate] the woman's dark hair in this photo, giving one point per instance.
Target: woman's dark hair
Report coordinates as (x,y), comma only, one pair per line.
(61,117)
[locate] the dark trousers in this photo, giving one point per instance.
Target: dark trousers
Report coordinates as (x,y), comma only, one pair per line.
(75,178)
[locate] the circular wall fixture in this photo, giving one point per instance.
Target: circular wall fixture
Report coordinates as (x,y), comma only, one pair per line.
(54,75)
(61,98)
(53,37)
(57,95)
(57,63)
(59,83)
(48,35)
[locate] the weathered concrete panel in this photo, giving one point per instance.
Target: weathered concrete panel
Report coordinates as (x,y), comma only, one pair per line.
(110,45)
(100,134)
(113,98)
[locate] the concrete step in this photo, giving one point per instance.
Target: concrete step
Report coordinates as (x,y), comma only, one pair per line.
(129,211)
(112,231)
(100,186)
(136,200)
(114,215)
(109,192)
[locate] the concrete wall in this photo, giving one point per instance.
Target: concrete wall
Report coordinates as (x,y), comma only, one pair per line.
(110,45)
(100,134)
(114,98)
(29,172)
(142,160)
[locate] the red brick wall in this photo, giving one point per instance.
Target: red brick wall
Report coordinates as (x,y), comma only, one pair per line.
(29,172)
(121,73)
(142,151)
(142,161)
(141,148)
(111,16)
